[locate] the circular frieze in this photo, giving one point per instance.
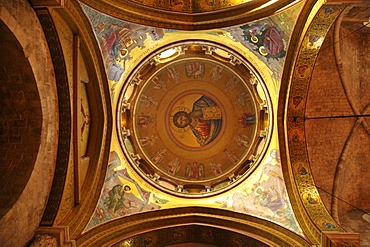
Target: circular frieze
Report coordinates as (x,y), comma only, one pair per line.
(194,119)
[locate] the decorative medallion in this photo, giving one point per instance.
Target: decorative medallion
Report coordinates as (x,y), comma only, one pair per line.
(194,119)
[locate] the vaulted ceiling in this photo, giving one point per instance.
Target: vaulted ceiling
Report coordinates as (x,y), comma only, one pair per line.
(271,147)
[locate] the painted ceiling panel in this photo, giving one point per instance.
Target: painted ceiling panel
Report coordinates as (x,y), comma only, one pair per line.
(124,46)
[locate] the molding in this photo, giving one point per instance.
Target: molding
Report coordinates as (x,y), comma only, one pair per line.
(337,239)
(61,233)
(64,116)
(101,114)
(47,3)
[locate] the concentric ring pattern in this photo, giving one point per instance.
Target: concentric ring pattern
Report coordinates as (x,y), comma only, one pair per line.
(194,119)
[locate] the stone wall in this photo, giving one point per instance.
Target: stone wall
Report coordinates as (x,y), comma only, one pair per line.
(20,120)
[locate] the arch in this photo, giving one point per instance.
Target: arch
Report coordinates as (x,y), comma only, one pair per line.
(307,205)
(59,210)
(134,225)
(165,18)
(36,190)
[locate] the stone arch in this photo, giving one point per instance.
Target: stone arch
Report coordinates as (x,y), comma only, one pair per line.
(20,117)
(38,125)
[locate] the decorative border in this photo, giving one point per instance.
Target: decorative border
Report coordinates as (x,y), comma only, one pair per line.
(64,137)
(309,208)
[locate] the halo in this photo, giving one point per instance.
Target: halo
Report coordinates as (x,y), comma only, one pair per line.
(254,39)
(263,51)
(258,187)
(123,53)
(172,114)
(123,188)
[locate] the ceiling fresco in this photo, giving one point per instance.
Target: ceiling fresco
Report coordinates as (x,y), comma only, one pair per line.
(268,39)
(152,78)
(194,118)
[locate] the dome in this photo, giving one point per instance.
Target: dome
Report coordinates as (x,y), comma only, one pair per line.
(194,118)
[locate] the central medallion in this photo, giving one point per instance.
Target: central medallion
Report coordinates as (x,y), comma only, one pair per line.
(193,119)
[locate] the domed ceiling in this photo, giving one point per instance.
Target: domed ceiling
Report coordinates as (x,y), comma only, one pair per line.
(187,126)
(194,118)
